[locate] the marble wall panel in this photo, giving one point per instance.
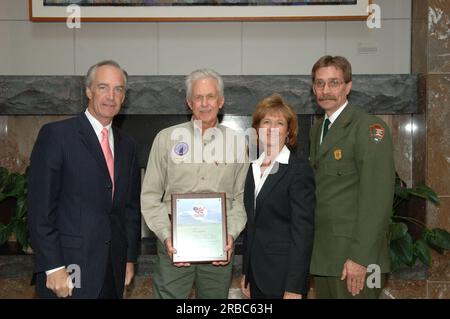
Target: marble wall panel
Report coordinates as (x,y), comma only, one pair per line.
(438,36)
(438,133)
(18,137)
(419,42)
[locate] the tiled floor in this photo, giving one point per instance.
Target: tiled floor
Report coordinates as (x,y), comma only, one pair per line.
(16,270)
(141,288)
(16,288)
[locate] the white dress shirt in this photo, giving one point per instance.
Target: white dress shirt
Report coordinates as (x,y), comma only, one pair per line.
(260,179)
(332,118)
(98,127)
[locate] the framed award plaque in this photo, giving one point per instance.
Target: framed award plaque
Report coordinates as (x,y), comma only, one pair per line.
(199,227)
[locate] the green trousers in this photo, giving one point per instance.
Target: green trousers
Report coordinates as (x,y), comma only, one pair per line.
(170,282)
(335,288)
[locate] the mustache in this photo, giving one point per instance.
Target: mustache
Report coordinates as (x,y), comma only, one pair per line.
(327,98)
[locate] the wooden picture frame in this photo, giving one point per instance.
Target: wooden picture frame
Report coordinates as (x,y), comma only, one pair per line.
(199,227)
(331,10)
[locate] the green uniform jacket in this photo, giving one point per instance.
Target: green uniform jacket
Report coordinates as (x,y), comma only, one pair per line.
(355,178)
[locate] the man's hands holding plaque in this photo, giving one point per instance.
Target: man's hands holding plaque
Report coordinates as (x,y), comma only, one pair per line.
(170,251)
(228,248)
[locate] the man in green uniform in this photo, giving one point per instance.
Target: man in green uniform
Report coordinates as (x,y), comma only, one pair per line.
(194,157)
(351,152)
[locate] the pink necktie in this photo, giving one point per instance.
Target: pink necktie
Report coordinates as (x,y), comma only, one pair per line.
(108,155)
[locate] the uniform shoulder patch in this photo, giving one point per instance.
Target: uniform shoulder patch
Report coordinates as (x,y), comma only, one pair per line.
(376,132)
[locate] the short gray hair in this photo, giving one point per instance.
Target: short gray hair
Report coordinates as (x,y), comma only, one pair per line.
(200,74)
(91,72)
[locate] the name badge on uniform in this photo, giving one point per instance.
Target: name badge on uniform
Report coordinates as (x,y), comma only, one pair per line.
(180,152)
(337,154)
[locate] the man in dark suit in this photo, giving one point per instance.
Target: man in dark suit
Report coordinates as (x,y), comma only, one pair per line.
(351,152)
(83,197)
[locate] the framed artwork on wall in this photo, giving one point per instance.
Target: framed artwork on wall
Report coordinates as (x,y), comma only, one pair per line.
(198,10)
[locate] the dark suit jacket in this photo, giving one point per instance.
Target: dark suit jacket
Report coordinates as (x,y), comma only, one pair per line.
(280,230)
(71,215)
(355,178)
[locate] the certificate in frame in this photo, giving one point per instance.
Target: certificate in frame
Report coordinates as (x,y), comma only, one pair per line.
(199,228)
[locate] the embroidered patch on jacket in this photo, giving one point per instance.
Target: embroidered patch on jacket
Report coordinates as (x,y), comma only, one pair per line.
(376,132)
(181,148)
(337,154)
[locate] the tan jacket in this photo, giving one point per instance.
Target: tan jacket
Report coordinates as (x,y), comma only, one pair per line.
(179,164)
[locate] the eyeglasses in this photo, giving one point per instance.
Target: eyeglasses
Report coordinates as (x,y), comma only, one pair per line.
(332,84)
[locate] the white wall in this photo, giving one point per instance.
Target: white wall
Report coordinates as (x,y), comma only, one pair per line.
(235,48)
